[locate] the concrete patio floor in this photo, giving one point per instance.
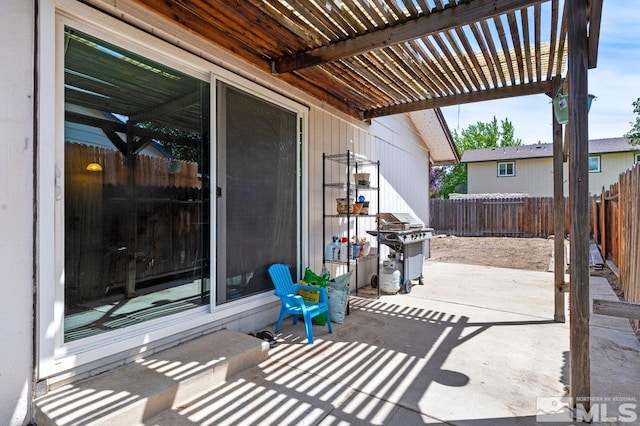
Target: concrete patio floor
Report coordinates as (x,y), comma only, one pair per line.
(474,346)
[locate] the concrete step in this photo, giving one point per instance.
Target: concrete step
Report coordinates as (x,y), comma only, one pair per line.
(135,392)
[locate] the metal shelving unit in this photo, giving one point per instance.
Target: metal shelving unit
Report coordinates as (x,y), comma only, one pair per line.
(353,163)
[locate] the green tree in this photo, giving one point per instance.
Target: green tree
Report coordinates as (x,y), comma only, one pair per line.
(634,134)
(179,144)
(476,136)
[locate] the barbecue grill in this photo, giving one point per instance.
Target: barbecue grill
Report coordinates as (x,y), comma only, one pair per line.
(408,239)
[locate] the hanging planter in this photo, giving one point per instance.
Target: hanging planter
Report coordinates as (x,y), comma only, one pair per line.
(561,107)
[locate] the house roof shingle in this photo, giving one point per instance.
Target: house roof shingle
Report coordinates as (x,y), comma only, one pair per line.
(596,146)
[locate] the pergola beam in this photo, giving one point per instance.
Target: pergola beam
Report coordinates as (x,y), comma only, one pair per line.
(595,18)
(463,98)
(111,127)
(426,25)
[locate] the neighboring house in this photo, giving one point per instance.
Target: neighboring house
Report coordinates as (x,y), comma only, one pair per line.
(528,169)
(78,244)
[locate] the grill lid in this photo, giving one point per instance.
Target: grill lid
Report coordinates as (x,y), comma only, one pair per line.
(388,220)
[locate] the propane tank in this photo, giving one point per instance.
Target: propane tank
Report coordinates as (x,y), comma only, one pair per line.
(389,277)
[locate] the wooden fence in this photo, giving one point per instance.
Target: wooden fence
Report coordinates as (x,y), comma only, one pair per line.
(616,224)
(495,217)
(167,210)
(149,171)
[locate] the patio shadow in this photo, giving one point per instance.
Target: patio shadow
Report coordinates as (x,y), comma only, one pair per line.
(386,363)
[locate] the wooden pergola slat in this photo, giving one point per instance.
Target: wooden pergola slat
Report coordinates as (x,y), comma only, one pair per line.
(505,48)
(391,6)
(369,21)
(343,23)
(421,83)
(464,59)
(424,6)
(292,22)
(457,47)
(528,64)
(430,87)
(537,41)
(442,80)
(512,22)
(389,76)
(554,37)
(345,74)
(426,25)
(454,65)
(413,12)
(473,58)
(494,52)
(373,15)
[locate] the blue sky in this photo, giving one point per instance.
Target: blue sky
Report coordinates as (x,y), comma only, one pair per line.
(615,82)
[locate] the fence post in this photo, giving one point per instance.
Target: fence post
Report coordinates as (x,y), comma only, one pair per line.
(602,227)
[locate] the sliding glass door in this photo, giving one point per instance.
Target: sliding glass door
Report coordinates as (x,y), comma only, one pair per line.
(136,194)
(258,202)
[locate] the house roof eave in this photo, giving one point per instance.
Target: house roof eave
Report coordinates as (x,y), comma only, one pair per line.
(435,135)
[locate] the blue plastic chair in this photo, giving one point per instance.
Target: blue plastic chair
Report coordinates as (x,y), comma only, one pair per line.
(293,304)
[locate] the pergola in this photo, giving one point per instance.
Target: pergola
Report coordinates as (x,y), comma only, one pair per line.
(371,58)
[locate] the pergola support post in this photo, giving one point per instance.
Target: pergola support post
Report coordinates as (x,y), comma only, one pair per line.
(579,373)
(558,214)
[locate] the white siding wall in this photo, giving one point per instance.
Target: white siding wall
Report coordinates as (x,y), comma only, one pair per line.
(16,209)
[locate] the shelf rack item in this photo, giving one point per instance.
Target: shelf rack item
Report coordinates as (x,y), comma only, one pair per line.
(341,184)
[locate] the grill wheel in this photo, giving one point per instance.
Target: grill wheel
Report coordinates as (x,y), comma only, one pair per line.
(406,286)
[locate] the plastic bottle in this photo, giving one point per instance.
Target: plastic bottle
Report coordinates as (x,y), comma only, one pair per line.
(336,252)
(355,248)
(330,250)
(343,255)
